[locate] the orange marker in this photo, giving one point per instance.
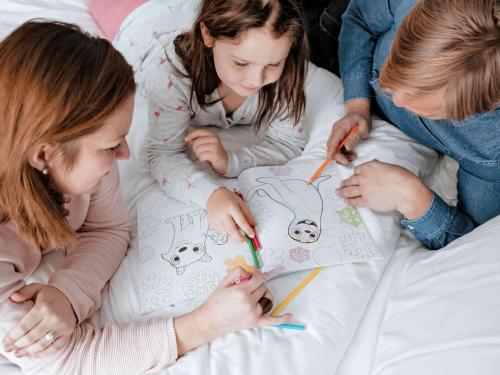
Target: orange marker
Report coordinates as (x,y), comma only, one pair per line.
(339,147)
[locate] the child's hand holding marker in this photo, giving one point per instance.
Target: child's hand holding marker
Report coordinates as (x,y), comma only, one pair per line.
(228,213)
(238,303)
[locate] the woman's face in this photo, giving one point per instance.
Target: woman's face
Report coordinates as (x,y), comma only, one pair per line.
(252,61)
(429,106)
(96,155)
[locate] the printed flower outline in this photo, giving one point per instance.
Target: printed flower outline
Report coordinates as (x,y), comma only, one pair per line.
(156,292)
(146,253)
(349,215)
(357,244)
(149,225)
(299,254)
(238,261)
(201,283)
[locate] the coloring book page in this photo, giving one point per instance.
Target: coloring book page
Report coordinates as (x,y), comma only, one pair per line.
(299,225)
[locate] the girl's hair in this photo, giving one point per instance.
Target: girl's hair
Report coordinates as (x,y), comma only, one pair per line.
(451,46)
(230,19)
(57,84)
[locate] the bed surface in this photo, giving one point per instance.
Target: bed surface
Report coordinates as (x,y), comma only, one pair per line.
(414,311)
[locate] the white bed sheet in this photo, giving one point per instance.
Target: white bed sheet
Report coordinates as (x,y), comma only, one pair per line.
(348,324)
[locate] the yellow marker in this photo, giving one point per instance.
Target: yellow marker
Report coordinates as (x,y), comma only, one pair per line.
(296,291)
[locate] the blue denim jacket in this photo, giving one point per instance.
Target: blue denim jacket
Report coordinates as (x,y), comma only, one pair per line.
(368,29)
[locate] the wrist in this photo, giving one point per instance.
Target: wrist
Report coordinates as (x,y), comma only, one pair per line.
(417,201)
(216,192)
(359,106)
(190,332)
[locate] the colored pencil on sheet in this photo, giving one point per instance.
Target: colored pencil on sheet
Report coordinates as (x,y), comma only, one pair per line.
(257,242)
(296,291)
(327,161)
(252,251)
(255,239)
(254,243)
(297,327)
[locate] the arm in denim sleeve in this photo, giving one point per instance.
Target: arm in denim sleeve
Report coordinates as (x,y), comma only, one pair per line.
(440,224)
(362,24)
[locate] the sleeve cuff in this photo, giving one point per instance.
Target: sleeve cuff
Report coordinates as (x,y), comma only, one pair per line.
(172,340)
(235,166)
(433,222)
(204,188)
(71,291)
(357,86)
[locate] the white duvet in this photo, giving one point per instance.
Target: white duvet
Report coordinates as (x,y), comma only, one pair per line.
(414,312)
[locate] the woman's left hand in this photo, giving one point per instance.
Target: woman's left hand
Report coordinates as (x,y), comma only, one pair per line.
(208,148)
(51,315)
(386,187)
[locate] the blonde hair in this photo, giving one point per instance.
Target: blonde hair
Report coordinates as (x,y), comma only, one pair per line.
(57,84)
(451,46)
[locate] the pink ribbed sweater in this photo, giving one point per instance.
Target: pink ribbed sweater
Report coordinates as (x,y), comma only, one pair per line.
(100,221)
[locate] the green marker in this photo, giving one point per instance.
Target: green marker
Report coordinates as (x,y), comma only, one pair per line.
(252,251)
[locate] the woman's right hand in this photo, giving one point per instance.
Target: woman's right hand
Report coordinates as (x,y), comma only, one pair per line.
(228,213)
(233,306)
(357,113)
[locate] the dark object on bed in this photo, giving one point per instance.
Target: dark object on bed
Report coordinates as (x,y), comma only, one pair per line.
(323,19)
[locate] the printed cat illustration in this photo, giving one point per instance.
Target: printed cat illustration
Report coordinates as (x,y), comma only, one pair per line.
(190,233)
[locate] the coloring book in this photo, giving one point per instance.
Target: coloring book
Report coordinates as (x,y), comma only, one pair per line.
(299,225)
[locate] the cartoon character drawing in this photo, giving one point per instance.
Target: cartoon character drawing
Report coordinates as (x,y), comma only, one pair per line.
(190,233)
(302,199)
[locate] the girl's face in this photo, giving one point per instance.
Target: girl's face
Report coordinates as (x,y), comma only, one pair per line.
(96,155)
(250,62)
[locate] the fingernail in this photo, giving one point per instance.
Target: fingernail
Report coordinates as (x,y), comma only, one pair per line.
(266,304)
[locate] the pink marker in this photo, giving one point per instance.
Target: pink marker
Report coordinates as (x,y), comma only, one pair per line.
(242,279)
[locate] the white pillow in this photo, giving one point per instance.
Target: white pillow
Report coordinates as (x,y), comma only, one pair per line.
(15,12)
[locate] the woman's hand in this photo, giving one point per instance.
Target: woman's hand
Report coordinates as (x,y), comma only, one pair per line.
(385,187)
(357,113)
(209,149)
(52,314)
(233,306)
(227,213)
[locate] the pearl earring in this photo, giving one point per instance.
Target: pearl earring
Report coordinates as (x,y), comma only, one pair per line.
(45,171)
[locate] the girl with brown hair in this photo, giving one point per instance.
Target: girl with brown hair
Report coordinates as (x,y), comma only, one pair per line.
(240,63)
(433,68)
(66,102)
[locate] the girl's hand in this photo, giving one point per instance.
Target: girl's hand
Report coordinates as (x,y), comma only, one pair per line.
(51,313)
(233,306)
(227,213)
(209,149)
(357,113)
(385,187)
